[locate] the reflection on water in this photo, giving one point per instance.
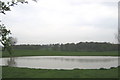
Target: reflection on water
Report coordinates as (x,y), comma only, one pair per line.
(11,62)
(62,62)
(83,60)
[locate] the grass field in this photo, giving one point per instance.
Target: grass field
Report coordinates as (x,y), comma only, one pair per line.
(12,72)
(58,53)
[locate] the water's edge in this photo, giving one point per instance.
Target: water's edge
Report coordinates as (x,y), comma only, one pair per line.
(61,62)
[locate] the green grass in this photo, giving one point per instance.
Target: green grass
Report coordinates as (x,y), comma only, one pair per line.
(12,72)
(58,53)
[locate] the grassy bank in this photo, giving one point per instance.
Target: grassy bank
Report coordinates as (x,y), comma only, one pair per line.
(58,53)
(12,72)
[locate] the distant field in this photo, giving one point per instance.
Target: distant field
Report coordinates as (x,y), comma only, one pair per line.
(12,72)
(58,53)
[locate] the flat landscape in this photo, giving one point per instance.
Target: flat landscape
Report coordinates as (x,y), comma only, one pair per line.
(58,53)
(14,72)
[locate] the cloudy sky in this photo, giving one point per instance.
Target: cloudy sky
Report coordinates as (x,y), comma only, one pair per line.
(63,21)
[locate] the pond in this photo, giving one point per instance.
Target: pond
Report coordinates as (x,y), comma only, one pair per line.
(61,62)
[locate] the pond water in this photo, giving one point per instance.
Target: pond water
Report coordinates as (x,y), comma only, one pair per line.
(61,62)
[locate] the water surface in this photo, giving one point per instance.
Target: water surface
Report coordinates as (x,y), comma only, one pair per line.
(62,62)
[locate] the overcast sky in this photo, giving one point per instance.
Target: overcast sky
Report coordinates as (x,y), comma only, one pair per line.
(63,21)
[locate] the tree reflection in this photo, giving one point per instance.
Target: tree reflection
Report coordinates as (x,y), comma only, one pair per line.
(11,62)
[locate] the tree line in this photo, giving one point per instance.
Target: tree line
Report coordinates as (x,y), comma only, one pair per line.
(81,46)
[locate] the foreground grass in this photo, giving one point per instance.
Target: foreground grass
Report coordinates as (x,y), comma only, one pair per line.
(12,72)
(58,53)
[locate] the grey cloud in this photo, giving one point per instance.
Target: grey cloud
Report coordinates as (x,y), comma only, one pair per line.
(110,4)
(107,23)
